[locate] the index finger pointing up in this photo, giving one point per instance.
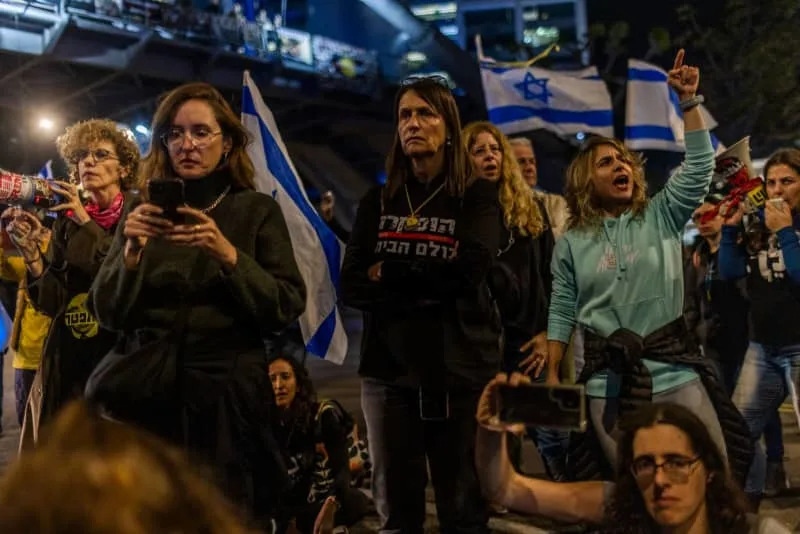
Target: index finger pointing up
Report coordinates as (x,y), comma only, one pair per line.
(679,59)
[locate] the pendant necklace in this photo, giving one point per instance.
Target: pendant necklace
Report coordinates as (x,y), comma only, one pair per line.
(412,221)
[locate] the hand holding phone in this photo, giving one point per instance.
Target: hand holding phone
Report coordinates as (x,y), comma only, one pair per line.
(169,195)
(559,406)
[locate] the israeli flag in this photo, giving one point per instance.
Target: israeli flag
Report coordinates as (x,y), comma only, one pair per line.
(46,172)
(653,116)
(317,251)
(565,102)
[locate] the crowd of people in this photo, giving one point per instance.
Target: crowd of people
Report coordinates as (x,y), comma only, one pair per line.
(141,337)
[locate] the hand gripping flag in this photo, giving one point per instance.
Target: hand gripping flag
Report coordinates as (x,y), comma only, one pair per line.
(317,251)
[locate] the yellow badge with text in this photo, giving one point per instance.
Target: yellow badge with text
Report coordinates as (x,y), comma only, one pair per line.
(79,320)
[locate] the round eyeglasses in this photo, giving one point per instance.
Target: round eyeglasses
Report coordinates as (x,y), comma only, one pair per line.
(199,138)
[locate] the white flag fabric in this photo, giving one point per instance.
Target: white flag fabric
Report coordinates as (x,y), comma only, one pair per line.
(564,102)
(46,172)
(653,116)
(317,251)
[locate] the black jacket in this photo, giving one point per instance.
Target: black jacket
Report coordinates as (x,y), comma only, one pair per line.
(431,317)
(521,282)
(76,341)
(623,352)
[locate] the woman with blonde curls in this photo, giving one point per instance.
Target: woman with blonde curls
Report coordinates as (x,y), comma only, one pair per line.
(520,277)
(104,160)
(618,273)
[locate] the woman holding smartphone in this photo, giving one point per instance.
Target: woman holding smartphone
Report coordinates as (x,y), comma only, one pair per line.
(770,264)
(228,269)
(103,160)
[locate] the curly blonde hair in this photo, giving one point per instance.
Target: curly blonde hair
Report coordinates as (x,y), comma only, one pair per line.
(585,209)
(520,209)
(83,133)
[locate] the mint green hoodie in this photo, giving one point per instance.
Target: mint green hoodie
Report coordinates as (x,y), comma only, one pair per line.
(628,273)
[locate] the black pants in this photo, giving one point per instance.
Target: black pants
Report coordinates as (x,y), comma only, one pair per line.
(399,444)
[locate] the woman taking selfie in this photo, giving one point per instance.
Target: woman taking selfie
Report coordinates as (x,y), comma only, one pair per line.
(211,282)
(104,160)
(671,477)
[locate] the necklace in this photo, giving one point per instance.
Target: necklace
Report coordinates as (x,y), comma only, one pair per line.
(217,200)
(412,221)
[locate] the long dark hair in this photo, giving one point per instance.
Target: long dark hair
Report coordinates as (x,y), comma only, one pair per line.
(302,411)
(156,164)
(725,502)
(457,168)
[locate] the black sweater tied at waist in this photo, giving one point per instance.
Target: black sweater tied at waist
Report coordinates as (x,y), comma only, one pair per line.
(623,352)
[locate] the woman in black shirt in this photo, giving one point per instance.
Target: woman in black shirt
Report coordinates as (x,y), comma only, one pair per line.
(416,264)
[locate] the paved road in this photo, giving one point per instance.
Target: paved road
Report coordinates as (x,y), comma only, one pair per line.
(341,382)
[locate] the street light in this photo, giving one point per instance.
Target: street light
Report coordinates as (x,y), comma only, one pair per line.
(46,124)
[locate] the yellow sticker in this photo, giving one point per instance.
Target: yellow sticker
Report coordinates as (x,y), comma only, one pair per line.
(757,196)
(80,321)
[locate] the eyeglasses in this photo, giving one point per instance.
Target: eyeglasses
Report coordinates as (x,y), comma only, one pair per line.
(199,138)
(420,78)
(98,154)
(676,468)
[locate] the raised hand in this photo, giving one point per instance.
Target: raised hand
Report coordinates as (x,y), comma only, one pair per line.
(732,212)
(683,78)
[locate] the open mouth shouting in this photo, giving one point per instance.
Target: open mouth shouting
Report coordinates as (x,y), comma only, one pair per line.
(622,182)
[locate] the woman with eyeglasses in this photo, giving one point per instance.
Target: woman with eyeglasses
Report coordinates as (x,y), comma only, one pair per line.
(671,477)
(618,273)
(213,279)
(416,265)
(103,159)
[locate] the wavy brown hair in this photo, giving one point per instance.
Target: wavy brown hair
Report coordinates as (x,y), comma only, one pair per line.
(156,164)
(457,168)
(95,476)
(725,502)
(80,135)
(585,209)
(302,411)
(520,209)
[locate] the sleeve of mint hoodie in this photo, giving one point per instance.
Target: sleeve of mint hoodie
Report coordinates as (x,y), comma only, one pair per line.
(685,190)
(563,302)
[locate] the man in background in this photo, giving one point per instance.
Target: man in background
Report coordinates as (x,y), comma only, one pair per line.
(555,205)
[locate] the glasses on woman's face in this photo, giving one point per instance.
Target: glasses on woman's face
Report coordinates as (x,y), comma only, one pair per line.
(98,154)
(200,138)
(676,468)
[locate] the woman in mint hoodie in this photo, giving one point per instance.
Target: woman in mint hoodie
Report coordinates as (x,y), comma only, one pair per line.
(618,273)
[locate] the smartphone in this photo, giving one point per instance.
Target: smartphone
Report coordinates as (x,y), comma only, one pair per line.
(434,405)
(167,194)
(561,407)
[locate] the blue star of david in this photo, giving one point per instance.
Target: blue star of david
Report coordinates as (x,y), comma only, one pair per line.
(533,88)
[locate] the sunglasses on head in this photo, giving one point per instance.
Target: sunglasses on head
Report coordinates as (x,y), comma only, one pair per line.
(420,78)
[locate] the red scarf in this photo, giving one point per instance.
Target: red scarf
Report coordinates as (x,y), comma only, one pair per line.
(108,217)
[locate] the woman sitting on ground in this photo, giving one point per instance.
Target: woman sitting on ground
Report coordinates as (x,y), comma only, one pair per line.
(671,476)
(313,436)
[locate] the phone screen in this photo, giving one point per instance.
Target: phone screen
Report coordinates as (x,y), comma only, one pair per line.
(561,406)
(168,195)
